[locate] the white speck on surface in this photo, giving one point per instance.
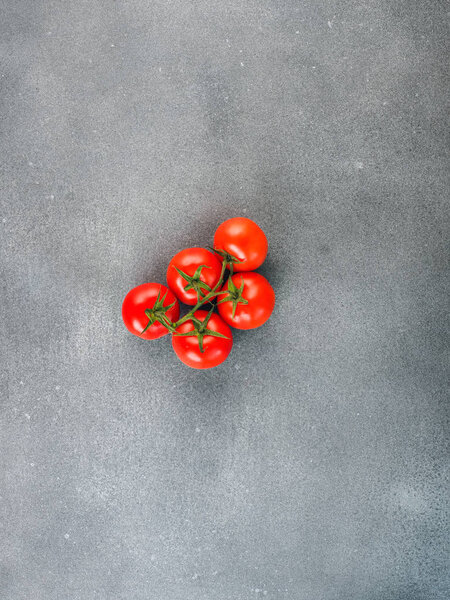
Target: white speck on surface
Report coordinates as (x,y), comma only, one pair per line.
(57,387)
(297,32)
(28,416)
(112,45)
(21,382)
(32,464)
(242,64)
(359,164)
(330,24)
(197,430)
(3,220)
(30,164)
(195,576)
(67,536)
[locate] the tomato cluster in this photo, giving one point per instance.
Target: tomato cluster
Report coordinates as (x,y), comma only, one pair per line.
(198,277)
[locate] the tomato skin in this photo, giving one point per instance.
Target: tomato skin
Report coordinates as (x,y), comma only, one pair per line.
(245,240)
(188,261)
(261,301)
(216,349)
(141,298)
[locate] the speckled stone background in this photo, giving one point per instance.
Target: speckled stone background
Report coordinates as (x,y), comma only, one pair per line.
(312,464)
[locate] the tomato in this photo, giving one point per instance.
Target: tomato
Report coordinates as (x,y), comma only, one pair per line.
(143,304)
(243,239)
(249,300)
(204,341)
(201,270)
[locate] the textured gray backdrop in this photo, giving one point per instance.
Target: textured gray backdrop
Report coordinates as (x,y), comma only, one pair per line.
(312,464)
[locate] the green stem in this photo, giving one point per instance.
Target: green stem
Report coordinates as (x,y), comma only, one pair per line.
(205,299)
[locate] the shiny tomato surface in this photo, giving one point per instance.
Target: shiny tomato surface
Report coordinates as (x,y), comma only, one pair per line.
(142,298)
(258,295)
(202,268)
(243,239)
(215,349)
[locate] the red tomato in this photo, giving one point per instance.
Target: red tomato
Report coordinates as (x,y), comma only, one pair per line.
(149,297)
(249,301)
(202,271)
(205,340)
(243,239)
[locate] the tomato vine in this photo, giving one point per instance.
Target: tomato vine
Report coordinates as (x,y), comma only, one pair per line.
(162,318)
(197,276)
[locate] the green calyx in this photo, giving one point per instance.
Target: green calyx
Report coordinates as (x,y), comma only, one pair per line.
(234,295)
(201,329)
(206,299)
(229,259)
(158,313)
(194,282)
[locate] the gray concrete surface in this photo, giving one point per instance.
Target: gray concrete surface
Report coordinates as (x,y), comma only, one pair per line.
(312,464)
